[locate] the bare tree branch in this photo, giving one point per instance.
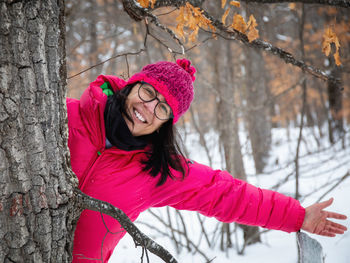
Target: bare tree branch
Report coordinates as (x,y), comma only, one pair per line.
(136,12)
(113,57)
(86,202)
(333,187)
(260,44)
(177,3)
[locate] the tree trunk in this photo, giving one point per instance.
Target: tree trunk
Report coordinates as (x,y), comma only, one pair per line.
(257,114)
(335,99)
(257,117)
(93,43)
(36,209)
(227,124)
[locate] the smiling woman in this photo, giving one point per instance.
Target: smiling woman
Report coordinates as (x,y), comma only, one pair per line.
(123,150)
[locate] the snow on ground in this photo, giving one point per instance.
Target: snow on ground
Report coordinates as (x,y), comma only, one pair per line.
(319,172)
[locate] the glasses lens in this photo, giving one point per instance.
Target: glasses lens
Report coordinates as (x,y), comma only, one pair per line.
(163,111)
(147,92)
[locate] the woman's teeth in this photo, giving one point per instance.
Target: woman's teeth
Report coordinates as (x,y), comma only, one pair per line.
(139,116)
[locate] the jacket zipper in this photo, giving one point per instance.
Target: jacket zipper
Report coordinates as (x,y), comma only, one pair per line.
(88,169)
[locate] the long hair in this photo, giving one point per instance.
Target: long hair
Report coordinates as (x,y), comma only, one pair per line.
(165,151)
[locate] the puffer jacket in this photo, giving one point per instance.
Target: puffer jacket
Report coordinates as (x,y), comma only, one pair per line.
(116,176)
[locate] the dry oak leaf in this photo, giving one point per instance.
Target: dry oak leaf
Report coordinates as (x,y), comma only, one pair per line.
(292,6)
(193,35)
(192,18)
(253,32)
(239,23)
(337,58)
(181,23)
(146,3)
(330,37)
(223,3)
(235,3)
(224,16)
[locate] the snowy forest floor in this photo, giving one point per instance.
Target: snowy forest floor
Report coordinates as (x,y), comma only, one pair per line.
(321,167)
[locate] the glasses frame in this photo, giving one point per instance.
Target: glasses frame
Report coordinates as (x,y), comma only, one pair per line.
(171,116)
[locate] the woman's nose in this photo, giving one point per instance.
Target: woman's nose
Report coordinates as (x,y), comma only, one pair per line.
(151,105)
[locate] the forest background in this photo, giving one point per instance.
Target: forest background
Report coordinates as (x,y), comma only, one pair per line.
(242,92)
(271,107)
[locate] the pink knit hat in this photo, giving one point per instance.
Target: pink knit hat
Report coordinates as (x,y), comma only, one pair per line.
(173,80)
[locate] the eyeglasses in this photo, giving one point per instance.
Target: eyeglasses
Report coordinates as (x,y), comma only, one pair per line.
(148,93)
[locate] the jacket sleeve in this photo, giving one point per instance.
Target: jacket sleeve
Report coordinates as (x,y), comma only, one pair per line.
(216,193)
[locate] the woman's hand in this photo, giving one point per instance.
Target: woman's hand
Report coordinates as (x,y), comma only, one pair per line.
(316,220)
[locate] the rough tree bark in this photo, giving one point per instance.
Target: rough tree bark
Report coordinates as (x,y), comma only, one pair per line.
(39,201)
(36,211)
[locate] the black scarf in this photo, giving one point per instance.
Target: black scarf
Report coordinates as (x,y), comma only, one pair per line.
(117,131)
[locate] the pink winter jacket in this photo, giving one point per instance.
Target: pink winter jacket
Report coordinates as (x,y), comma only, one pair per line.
(116,176)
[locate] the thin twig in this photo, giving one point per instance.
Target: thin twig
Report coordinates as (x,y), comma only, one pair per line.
(180,232)
(114,57)
(333,187)
(167,13)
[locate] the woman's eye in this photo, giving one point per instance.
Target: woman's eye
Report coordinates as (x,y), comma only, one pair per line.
(164,108)
(150,92)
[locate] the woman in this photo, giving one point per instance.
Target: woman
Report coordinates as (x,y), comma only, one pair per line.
(123,150)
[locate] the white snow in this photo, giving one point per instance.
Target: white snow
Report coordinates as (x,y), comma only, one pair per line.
(325,166)
(283,37)
(266,19)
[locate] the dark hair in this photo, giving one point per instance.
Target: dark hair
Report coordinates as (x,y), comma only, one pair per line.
(165,151)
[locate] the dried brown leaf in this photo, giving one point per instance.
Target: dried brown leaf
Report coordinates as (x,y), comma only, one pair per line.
(223,19)
(292,6)
(330,37)
(223,3)
(337,58)
(153,2)
(239,24)
(143,3)
(235,3)
(191,18)
(253,33)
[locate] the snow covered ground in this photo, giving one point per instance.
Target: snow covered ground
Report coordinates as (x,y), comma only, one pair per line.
(321,167)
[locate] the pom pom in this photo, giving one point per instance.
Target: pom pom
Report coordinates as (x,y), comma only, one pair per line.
(186,65)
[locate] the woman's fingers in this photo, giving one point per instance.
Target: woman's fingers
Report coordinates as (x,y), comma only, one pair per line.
(337,226)
(336,215)
(335,229)
(326,203)
(326,234)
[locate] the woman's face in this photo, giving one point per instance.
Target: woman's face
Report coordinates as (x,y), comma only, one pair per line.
(142,113)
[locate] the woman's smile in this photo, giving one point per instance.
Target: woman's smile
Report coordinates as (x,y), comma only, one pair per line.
(139,116)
